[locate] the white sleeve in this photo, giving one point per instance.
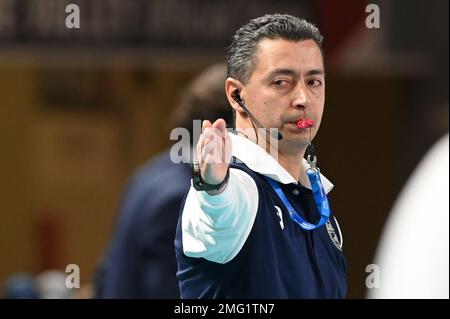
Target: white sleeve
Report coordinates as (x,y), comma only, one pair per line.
(216,227)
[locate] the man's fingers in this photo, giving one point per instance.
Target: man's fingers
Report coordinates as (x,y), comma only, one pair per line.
(213,150)
(206,124)
(227,148)
(220,124)
(213,146)
(205,136)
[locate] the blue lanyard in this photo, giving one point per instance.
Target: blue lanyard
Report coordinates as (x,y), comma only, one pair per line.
(320,197)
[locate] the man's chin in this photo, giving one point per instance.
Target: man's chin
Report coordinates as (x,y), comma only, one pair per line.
(293,145)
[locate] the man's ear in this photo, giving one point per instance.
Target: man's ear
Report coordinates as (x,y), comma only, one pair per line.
(233,88)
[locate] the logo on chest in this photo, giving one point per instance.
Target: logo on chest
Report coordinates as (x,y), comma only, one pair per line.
(332,233)
(280,216)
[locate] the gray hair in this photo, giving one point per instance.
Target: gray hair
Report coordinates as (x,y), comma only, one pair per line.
(241,52)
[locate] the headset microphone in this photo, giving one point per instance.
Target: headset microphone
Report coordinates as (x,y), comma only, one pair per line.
(238,99)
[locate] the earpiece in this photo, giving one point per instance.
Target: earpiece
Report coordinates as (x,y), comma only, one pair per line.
(237,97)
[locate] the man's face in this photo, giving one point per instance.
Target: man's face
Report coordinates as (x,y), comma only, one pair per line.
(287,84)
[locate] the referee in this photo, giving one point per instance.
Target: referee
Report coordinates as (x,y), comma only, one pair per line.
(256,221)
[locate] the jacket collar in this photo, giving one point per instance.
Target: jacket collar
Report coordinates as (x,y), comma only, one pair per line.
(258,160)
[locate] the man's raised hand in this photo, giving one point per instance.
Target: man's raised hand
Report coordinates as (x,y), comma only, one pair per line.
(214,151)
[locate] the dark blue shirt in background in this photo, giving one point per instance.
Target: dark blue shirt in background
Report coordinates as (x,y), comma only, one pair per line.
(140,260)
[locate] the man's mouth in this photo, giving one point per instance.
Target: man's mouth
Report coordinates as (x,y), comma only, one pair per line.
(306,123)
(303,123)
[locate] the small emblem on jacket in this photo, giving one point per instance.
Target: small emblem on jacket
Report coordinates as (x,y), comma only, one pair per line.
(280,216)
(332,233)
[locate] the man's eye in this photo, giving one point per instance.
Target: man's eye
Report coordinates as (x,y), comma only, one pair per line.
(315,83)
(280,83)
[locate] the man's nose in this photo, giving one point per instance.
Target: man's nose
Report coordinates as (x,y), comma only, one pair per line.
(302,98)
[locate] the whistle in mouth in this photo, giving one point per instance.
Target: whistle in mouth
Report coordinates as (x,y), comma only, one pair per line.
(305,123)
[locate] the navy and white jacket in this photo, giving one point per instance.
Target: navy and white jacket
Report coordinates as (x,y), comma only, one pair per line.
(242,243)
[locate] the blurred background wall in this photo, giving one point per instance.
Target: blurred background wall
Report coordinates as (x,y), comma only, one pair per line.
(81,108)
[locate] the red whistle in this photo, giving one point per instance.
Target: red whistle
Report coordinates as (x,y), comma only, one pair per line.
(305,123)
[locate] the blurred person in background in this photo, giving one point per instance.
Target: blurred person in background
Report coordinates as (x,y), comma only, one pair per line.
(140,260)
(20,286)
(413,253)
(49,284)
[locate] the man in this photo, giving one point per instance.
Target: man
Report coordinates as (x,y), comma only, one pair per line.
(235,236)
(140,261)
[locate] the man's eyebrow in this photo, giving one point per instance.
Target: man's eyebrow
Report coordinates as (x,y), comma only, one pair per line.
(294,73)
(281,72)
(315,72)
